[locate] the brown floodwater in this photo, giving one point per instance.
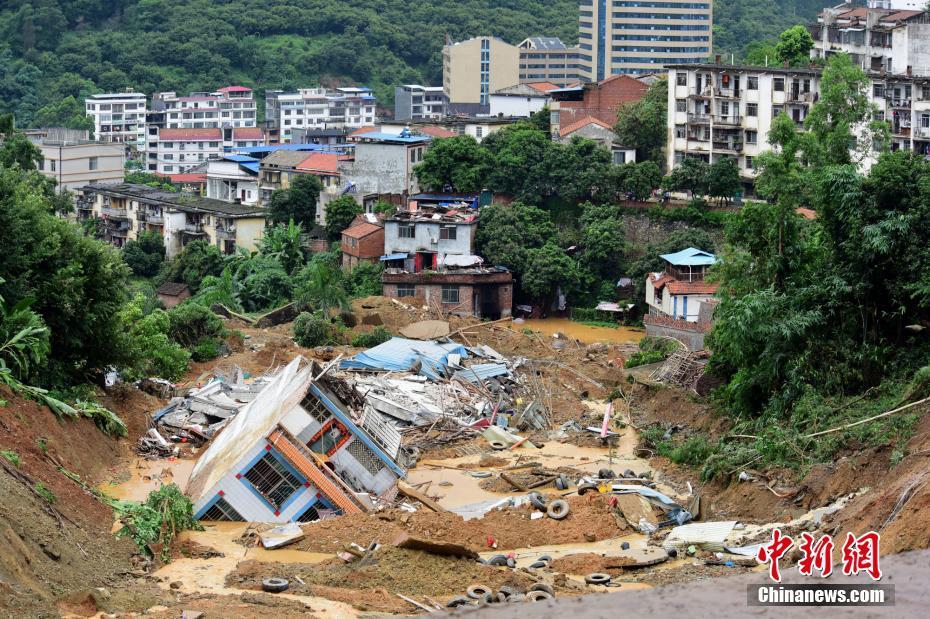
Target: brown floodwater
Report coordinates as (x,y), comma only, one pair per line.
(582,332)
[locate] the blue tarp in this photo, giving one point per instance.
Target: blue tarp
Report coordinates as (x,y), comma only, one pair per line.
(393,257)
(399,354)
(482,371)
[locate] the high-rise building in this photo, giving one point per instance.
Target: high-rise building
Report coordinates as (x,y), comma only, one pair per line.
(642,36)
(118,117)
(473,69)
(547,59)
(318,108)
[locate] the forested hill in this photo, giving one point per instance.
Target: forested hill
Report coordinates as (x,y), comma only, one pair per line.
(54,49)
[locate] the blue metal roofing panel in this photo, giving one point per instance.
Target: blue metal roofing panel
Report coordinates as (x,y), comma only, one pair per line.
(481,372)
(394,257)
(239,158)
(690,257)
(276,147)
(399,354)
(251,166)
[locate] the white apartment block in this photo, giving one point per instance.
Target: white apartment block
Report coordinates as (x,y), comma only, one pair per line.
(719,111)
(416,103)
(176,151)
(232,106)
(118,117)
(633,37)
(318,108)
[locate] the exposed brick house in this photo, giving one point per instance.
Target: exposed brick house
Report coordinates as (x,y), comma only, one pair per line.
(600,100)
(463,292)
(681,303)
(363,241)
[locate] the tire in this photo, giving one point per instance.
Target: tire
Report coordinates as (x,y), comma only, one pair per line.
(274,585)
(541,586)
(501,597)
(597,578)
(459,600)
(509,591)
(476,592)
(583,488)
(536,596)
(545,558)
(487,598)
(539,565)
(498,560)
(537,500)
(606,474)
(562,482)
(511,562)
(498,446)
(625,546)
(558,509)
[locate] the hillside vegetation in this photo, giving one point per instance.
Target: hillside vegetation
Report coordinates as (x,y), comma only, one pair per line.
(55,52)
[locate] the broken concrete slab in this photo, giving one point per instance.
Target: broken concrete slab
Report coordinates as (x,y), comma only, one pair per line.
(281,536)
(636,508)
(405,540)
(426,330)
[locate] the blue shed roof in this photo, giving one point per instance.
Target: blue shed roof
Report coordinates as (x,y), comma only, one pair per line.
(690,257)
(239,158)
(399,354)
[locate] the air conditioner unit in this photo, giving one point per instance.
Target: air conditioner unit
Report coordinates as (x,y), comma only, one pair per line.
(434,240)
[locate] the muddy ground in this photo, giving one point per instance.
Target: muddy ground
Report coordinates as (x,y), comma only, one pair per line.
(60,558)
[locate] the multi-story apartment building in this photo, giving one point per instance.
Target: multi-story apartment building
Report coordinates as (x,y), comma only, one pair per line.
(717,110)
(118,117)
(72,159)
(416,103)
(127,210)
(318,108)
(642,36)
(473,69)
(232,106)
(877,39)
(176,151)
(547,59)
(233,178)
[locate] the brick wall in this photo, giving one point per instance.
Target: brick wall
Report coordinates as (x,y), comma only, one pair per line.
(602,100)
(369,246)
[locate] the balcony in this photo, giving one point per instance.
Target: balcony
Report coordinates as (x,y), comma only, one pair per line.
(699,119)
(226,233)
(734,147)
(114,213)
(193,228)
(154,219)
(800,97)
(922,132)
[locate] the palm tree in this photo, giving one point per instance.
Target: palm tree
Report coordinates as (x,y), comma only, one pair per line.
(320,287)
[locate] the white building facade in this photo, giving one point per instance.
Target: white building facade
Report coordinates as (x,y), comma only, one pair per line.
(232,106)
(118,117)
(319,108)
(176,151)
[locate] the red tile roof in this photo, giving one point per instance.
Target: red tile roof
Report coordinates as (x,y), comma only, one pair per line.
(659,282)
(806,213)
(248,133)
(542,86)
(235,89)
(436,132)
(677,287)
(320,163)
(363,130)
(361,230)
(186,178)
(191,134)
(584,122)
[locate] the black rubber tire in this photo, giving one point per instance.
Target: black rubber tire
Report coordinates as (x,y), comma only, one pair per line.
(597,578)
(541,586)
(459,600)
(606,474)
(501,597)
(539,565)
(498,445)
(536,596)
(511,562)
(558,509)
(562,482)
(498,560)
(583,488)
(545,558)
(274,585)
(509,591)
(537,500)
(672,552)
(476,592)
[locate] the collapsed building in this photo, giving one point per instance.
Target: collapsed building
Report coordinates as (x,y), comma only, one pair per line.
(304,448)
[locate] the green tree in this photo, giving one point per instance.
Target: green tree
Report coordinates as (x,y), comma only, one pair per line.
(17,150)
(642,124)
(761,53)
(364,280)
(455,164)
(794,46)
(506,234)
(198,260)
(548,267)
(296,203)
(282,242)
(190,323)
(319,286)
(723,180)
(690,175)
(146,255)
(522,159)
(640,179)
(152,351)
(339,214)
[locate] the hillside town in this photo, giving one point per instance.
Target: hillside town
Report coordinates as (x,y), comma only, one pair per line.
(617,323)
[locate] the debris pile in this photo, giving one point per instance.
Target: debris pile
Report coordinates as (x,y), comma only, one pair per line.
(201,414)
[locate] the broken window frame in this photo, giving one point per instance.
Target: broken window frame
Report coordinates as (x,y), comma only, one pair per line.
(324,431)
(224,509)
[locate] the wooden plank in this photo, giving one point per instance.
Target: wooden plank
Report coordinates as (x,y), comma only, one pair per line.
(409,491)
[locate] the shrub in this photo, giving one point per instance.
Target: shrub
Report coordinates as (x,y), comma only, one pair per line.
(11,456)
(165,513)
(651,350)
(206,349)
(312,330)
(378,335)
(191,323)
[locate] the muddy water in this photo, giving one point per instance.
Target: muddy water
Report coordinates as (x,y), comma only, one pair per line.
(584,333)
(148,475)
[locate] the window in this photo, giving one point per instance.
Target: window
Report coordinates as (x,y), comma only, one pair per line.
(169,168)
(681,105)
(777,110)
(316,409)
(214,144)
(311,515)
(272,480)
(450,294)
(167,144)
(222,510)
(406,290)
(365,456)
(924,92)
(52,165)
(752,137)
(448,233)
(752,109)
(680,131)
(681,79)
(778,84)
(479,132)
(749,163)
(406,231)
(329,438)
(92,163)
(752,82)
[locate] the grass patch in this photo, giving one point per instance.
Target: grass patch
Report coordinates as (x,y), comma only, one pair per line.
(651,350)
(44,492)
(11,456)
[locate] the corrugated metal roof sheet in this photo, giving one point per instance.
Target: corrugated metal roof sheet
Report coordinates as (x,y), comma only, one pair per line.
(481,372)
(690,257)
(399,354)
